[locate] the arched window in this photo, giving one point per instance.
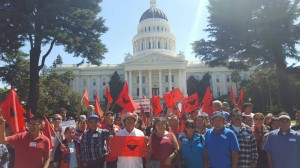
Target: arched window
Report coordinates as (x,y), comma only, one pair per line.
(142,46)
(158,45)
(149,29)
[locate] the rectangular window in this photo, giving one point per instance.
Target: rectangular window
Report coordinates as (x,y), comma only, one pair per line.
(137,92)
(137,79)
(94,82)
(167,89)
(144,91)
(172,78)
(166,78)
(217,78)
(228,79)
(143,79)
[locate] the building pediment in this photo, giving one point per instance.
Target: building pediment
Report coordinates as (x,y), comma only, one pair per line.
(155,58)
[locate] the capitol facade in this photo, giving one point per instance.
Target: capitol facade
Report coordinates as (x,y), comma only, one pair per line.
(154,65)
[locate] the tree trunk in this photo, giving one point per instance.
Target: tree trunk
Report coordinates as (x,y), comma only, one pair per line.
(33,96)
(284,89)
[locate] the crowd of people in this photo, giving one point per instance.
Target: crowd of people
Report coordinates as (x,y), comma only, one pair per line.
(229,138)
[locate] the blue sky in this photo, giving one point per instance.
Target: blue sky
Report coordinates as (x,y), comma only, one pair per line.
(187,20)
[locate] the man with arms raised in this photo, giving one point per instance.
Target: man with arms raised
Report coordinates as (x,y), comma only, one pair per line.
(32,147)
(221,145)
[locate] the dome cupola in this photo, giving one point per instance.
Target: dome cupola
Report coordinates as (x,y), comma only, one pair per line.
(153,12)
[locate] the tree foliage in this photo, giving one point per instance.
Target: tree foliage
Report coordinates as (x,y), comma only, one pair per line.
(75,24)
(198,86)
(253,33)
(115,86)
(57,61)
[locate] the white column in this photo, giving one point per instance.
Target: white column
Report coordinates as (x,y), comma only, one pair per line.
(184,83)
(126,77)
(160,84)
(179,79)
(130,83)
(150,85)
(140,84)
(78,84)
(170,80)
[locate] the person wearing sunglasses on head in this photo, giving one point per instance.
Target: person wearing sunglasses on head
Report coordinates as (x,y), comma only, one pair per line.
(191,145)
(259,131)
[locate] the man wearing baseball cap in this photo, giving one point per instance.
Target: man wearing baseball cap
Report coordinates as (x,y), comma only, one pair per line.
(282,145)
(221,145)
(93,144)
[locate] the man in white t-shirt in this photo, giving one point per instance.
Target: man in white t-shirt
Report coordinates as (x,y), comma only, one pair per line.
(129,120)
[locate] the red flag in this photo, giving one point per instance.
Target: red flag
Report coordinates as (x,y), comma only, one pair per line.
(143,96)
(231,96)
(85,97)
(181,126)
(207,103)
(156,107)
(133,146)
(13,112)
(48,132)
(143,115)
(175,110)
(191,103)
(241,97)
(122,112)
(108,96)
(172,97)
(125,100)
(98,109)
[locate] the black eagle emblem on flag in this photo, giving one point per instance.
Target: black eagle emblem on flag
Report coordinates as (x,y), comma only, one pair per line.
(132,147)
(125,100)
(193,102)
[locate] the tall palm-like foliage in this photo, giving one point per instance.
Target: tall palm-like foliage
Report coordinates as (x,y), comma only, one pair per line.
(253,33)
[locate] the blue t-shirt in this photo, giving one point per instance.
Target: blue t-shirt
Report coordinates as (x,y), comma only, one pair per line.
(284,148)
(192,151)
(219,147)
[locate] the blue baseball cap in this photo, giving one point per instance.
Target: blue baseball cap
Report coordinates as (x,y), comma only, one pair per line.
(94,116)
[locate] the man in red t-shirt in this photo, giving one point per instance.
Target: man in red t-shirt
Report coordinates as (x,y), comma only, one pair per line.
(32,148)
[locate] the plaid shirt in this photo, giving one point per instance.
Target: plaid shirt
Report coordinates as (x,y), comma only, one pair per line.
(248,150)
(4,156)
(93,145)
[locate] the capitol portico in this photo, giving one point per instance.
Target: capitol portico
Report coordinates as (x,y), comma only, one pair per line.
(154,65)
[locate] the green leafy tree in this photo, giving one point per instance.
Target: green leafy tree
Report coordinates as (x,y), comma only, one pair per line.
(55,92)
(251,33)
(196,86)
(75,24)
(15,73)
(57,61)
(116,86)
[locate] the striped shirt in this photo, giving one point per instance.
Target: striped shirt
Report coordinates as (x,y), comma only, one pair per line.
(93,145)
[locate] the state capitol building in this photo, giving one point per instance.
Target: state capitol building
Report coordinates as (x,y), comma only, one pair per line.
(154,64)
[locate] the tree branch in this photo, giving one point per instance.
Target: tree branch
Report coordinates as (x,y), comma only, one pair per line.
(46,55)
(294,6)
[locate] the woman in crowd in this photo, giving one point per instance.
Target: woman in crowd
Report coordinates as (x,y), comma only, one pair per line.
(200,124)
(118,122)
(268,119)
(140,125)
(191,144)
(57,137)
(174,124)
(163,145)
(259,130)
(67,153)
(82,125)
